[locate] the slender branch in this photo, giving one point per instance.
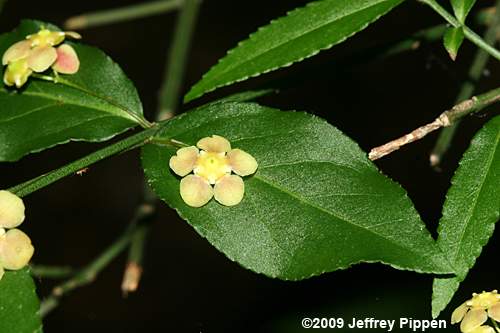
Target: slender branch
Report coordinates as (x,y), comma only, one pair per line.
(51,272)
(475,71)
(121,14)
(88,273)
(445,119)
(133,270)
(177,59)
(469,34)
(168,100)
(44,180)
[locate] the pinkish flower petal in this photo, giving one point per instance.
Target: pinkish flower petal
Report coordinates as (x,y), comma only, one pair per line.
(473,319)
(229,190)
(215,144)
(494,312)
(241,162)
(17,51)
(41,58)
(195,191)
(67,60)
(183,162)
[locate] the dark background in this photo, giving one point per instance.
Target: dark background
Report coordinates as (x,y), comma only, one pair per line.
(188,286)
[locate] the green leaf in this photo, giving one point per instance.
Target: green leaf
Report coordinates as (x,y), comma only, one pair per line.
(19,305)
(94,104)
(299,35)
(461,8)
(452,40)
(315,205)
(471,209)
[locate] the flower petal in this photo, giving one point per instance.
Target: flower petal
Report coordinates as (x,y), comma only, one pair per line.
(41,58)
(242,162)
(73,34)
(11,210)
(46,37)
(17,73)
(215,143)
(229,190)
(483,329)
(195,191)
(67,60)
(494,312)
(459,313)
(183,162)
(17,51)
(473,319)
(15,249)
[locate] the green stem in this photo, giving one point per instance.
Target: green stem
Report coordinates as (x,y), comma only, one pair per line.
(495,325)
(177,59)
(71,168)
(51,272)
(446,118)
(475,71)
(121,14)
(88,273)
(469,34)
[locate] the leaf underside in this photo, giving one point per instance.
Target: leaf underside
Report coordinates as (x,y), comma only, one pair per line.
(94,104)
(471,209)
(315,205)
(299,35)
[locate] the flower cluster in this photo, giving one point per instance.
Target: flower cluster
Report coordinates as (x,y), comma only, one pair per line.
(15,246)
(474,312)
(212,162)
(37,53)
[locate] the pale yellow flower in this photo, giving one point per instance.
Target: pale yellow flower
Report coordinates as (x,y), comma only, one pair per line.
(37,54)
(212,162)
(11,210)
(15,249)
(15,246)
(475,312)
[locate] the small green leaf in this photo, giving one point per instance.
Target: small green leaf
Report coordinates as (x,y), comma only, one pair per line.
(315,205)
(94,104)
(453,38)
(471,209)
(299,35)
(461,8)
(19,305)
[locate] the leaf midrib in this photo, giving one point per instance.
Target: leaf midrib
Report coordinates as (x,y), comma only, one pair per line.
(473,207)
(307,202)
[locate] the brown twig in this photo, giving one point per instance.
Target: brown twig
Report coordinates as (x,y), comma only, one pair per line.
(447,118)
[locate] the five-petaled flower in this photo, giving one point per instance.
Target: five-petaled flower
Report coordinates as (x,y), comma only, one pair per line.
(474,312)
(37,53)
(15,246)
(212,164)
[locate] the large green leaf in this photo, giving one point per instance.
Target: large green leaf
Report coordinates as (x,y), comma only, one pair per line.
(470,211)
(94,104)
(461,8)
(316,203)
(19,305)
(301,34)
